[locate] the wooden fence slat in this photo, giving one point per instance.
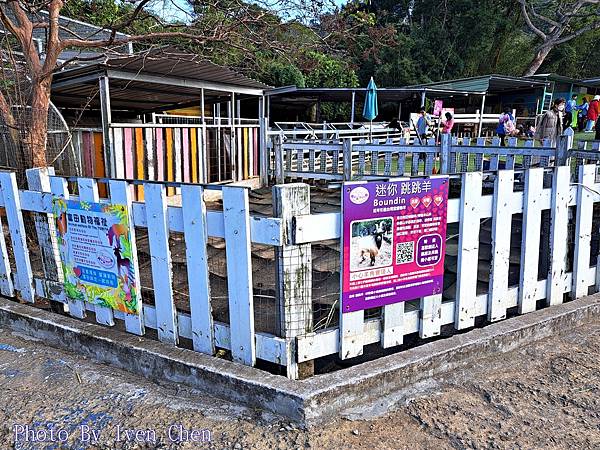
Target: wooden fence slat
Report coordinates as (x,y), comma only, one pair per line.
(186,155)
(194,153)
(119,157)
(160,155)
(196,237)
(468,250)
(150,160)
(128,132)
(88,191)
(583,230)
(430,318)
(501,233)
(170,159)
(162,267)
(14,217)
(88,153)
(530,248)
(558,233)
(178,159)
(392,332)
(120,193)
(60,188)
(139,161)
(236,213)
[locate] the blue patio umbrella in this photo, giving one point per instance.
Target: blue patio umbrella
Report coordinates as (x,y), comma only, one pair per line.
(370,109)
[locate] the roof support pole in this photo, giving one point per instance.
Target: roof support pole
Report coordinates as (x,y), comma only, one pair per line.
(481,116)
(353,106)
(263,150)
(236,153)
(203,150)
(109,157)
(423,96)
(219,139)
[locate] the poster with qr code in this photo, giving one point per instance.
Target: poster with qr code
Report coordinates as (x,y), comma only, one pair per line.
(393,241)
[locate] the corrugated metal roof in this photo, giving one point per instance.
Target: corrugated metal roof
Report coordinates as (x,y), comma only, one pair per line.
(167,63)
(293,93)
(488,83)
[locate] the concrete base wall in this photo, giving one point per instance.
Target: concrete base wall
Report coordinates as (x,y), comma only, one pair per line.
(309,402)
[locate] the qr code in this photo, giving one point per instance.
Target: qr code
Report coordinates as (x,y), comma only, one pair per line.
(405,252)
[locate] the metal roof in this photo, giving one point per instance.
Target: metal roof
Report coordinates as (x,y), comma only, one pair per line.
(150,81)
(296,94)
(489,84)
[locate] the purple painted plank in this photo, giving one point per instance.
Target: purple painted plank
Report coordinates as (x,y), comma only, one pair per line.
(160,155)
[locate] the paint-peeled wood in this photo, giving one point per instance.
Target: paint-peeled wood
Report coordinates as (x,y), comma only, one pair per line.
(558,233)
(501,234)
(239,274)
(583,230)
(196,237)
(162,267)
(530,248)
(468,245)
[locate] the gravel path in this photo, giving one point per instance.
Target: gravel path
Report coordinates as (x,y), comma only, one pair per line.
(545,395)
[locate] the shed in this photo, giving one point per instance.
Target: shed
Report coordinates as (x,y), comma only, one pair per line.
(149,130)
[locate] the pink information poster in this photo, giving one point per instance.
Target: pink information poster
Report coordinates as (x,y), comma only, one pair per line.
(393,241)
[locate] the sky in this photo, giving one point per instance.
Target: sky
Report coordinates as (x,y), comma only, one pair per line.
(180,10)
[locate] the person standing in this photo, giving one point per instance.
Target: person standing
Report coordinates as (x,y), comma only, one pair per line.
(570,109)
(582,111)
(592,114)
(423,123)
(447,124)
(506,125)
(551,124)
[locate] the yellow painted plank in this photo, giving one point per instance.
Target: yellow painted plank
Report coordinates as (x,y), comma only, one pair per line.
(139,160)
(194,150)
(170,160)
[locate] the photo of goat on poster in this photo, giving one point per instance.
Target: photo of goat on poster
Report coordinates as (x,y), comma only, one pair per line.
(371,244)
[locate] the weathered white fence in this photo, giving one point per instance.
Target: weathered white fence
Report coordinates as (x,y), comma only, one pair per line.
(293,232)
(514,192)
(233,223)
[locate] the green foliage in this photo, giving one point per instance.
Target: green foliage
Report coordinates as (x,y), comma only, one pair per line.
(283,74)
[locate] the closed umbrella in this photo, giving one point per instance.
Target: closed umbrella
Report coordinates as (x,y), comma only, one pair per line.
(370,109)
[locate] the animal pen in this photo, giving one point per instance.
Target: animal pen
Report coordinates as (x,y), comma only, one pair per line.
(255,274)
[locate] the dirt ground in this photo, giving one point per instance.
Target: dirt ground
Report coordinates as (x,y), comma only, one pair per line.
(546,395)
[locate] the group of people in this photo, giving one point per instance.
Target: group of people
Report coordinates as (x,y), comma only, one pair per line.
(583,117)
(561,115)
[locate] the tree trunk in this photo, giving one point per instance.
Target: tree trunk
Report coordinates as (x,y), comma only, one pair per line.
(537,61)
(38,133)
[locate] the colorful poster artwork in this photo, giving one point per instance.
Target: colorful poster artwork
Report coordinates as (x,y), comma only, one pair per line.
(394,241)
(94,241)
(437,107)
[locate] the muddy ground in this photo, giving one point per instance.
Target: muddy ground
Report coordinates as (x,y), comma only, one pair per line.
(546,395)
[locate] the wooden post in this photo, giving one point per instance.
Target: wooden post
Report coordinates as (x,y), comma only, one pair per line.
(480,125)
(278,152)
(294,275)
(39,180)
(109,159)
(347,159)
(562,149)
(445,153)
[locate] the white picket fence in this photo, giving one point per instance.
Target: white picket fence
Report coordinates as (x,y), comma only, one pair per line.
(355,332)
(234,224)
(292,231)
